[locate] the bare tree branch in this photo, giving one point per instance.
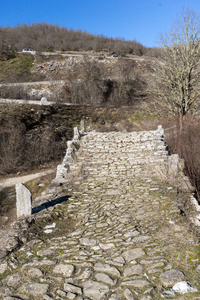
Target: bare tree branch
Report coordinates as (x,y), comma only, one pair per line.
(177,82)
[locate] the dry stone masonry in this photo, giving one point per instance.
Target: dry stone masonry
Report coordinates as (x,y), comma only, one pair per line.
(70,156)
(128,240)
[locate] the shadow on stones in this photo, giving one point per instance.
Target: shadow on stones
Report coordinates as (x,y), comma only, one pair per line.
(49,204)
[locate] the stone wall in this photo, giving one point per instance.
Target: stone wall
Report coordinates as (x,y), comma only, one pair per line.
(70,156)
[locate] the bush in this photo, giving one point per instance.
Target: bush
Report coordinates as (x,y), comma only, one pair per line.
(185,142)
(17,69)
(92,83)
(20,151)
(14,92)
(31,137)
(49,37)
(7,55)
(12,148)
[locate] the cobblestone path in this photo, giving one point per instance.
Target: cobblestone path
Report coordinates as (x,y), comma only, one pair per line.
(129,240)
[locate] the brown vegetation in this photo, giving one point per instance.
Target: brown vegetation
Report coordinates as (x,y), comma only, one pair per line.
(92,83)
(31,137)
(176,80)
(95,83)
(185,142)
(14,92)
(45,37)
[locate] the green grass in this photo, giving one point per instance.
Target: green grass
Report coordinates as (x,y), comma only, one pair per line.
(15,67)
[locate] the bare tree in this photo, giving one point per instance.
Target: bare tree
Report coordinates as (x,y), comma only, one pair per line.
(86,82)
(177,77)
(49,37)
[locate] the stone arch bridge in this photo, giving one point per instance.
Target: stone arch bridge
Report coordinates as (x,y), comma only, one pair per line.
(122,232)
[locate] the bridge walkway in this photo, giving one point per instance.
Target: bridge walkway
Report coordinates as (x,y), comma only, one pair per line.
(129,240)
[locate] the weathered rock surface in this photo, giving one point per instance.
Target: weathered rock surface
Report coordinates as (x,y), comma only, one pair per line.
(133,254)
(95,290)
(34,289)
(171,277)
(23,203)
(118,232)
(66,270)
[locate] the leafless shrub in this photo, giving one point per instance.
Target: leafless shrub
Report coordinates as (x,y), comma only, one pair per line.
(91,83)
(127,91)
(12,149)
(185,142)
(27,140)
(45,147)
(20,151)
(86,83)
(48,37)
(14,92)
(176,80)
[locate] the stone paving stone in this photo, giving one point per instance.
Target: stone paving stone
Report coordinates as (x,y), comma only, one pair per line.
(68,287)
(133,254)
(136,283)
(13,280)
(99,267)
(128,295)
(95,290)
(66,270)
(35,289)
(34,272)
(105,278)
(133,270)
(129,240)
(171,277)
(3,267)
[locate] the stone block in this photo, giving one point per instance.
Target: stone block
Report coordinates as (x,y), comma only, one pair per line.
(82,126)
(69,144)
(171,277)
(44,101)
(160,130)
(76,132)
(173,165)
(23,200)
(62,171)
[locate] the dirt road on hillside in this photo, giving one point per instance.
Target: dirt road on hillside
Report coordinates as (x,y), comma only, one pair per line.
(13,180)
